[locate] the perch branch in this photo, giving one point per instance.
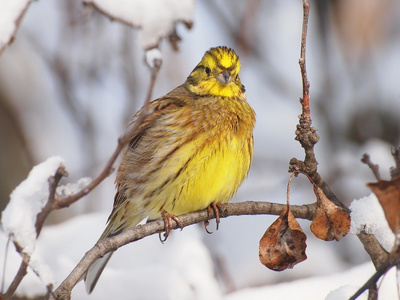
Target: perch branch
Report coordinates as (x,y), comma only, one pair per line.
(113,243)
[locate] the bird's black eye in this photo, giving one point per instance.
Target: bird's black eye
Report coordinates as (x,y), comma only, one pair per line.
(208,71)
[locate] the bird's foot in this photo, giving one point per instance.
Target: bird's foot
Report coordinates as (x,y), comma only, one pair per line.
(167,217)
(215,208)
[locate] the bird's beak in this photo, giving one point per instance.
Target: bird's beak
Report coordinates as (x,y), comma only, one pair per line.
(224,77)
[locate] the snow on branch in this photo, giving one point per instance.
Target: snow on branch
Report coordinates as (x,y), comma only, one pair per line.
(26,202)
(156,18)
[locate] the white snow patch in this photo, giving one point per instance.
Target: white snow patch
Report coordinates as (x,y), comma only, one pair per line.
(367,214)
(345,292)
(26,201)
(19,217)
(73,188)
(43,270)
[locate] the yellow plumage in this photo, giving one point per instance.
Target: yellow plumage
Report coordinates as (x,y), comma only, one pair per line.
(193,150)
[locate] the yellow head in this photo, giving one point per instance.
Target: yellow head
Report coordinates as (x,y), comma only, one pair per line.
(217,74)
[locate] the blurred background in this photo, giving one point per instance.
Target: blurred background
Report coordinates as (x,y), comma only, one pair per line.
(72,79)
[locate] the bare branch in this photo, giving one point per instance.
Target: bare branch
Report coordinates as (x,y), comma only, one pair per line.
(371,245)
(48,208)
(305,134)
(308,137)
(22,271)
(302,61)
(375,168)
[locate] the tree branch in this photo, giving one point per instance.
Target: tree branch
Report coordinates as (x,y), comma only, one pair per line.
(371,245)
(48,208)
(375,168)
(308,137)
(140,231)
(22,271)
(305,134)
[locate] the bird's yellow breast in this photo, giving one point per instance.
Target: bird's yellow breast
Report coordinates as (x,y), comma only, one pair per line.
(211,167)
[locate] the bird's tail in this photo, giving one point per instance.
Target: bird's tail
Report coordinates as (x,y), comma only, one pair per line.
(94,272)
(118,222)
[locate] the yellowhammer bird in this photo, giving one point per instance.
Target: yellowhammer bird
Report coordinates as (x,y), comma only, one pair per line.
(194,150)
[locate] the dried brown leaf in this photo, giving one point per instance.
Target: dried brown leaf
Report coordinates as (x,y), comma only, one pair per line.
(283,244)
(331,222)
(388,194)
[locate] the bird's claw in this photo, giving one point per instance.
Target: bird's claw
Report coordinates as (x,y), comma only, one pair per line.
(215,208)
(168,225)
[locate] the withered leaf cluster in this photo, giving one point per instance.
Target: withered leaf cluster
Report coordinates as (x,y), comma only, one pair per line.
(284,243)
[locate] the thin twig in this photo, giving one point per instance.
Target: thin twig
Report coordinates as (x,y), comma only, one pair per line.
(305,133)
(48,208)
(302,61)
(375,168)
(22,271)
(308,137)
(294,174)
